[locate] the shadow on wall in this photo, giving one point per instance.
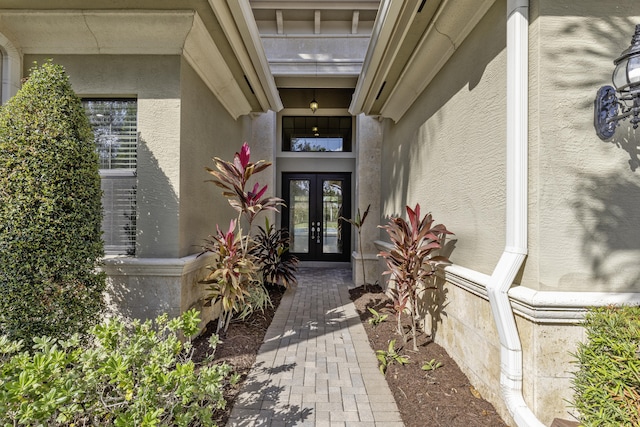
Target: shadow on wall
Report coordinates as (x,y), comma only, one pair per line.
(434,301)
(147,293)
(626,138)
(486,42)
(157,207)
(613,35)
(606,208)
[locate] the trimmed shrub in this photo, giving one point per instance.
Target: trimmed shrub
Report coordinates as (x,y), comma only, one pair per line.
(50,211)
(607,383)
(139,375)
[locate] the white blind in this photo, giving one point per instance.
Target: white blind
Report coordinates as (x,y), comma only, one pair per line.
(114,124)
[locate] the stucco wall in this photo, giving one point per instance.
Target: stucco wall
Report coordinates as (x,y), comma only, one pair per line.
(448,151)
(584,226)
(154,81)
(585,221)
(206,131)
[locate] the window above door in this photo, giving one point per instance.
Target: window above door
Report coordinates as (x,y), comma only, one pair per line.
(316,134)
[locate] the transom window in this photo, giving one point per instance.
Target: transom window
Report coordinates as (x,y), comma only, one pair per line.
(114,124)
(316,134)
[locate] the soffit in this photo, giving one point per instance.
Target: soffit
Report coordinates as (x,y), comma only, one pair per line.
(411,42)
(217,50)
(315,44)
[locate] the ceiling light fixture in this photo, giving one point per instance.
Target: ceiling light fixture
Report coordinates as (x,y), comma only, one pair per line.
(614,104)
(313,105)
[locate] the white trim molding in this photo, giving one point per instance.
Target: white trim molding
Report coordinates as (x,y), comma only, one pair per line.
(557,307)
(377,91)
(165,267)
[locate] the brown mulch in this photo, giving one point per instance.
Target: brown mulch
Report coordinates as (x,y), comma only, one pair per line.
(441,397)
(238,347)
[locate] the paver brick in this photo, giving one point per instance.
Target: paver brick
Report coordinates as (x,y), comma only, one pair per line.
(316,367)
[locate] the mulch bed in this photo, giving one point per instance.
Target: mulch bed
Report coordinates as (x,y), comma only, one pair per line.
(441,397)
(238,347)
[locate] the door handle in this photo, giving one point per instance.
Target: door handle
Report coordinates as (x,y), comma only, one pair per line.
(315,231)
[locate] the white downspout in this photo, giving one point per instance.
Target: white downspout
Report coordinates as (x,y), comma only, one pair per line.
(516,215)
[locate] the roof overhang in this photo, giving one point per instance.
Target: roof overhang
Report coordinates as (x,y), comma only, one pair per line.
(241,82)
(411,42)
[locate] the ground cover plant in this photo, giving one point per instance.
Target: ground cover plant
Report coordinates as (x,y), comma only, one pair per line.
(607,382)
(50,211)
(139,374)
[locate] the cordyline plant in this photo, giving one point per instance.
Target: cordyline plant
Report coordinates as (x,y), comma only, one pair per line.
(412,263)
(232,177)
(234,273)
(358,222)
(231,275)
(271,251)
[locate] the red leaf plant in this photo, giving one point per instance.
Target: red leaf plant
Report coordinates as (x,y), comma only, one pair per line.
(234,277)
(413,262)
(231,274)
(232,177)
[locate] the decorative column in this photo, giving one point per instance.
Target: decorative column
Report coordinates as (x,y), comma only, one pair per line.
(367,178)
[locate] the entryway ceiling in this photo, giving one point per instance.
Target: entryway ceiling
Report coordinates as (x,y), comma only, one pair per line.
(381,53)
(372,56)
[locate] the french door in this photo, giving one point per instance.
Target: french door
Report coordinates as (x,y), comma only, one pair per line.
(314,204)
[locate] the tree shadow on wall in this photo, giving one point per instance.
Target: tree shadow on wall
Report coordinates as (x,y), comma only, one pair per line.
(607,209)
(626,138)
(131,296)
(613,35)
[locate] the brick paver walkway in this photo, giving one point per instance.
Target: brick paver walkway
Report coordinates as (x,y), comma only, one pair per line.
(316,367)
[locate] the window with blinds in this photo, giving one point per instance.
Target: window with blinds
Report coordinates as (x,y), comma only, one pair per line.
(114,124)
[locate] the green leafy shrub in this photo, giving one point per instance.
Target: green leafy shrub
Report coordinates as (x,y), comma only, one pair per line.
(141,375)
(431,365)
(607,383)
(377,317)
(50,211)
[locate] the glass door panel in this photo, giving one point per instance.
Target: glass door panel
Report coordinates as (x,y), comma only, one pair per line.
(299,215)
(331,212)
(314,205)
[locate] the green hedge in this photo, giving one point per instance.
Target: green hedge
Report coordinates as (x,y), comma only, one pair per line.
(50,211)
(140,375)
(607,383)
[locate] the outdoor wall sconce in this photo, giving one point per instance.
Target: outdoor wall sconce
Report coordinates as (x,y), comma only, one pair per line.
(615,104)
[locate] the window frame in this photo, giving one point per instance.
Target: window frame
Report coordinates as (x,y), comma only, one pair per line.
(126,198)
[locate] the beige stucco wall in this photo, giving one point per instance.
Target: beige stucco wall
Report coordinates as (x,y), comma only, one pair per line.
(584,222)
(448,152)
(206,131)
(368,148)
(155,82)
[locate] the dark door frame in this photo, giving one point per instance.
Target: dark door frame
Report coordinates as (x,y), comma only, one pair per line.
(315,250)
